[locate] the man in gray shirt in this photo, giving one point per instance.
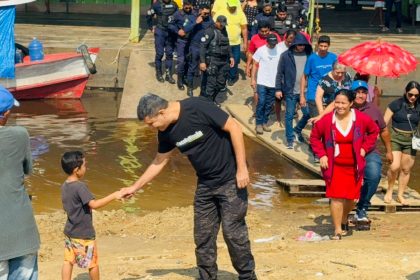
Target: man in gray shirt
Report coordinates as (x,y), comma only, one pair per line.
(19,237)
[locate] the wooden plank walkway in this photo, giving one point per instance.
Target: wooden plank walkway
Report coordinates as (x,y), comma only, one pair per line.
(275,140)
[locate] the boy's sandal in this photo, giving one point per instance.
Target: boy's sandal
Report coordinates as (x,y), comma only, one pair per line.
(336,236)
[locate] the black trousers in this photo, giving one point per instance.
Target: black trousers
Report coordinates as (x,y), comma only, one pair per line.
(227,205)
(216,75)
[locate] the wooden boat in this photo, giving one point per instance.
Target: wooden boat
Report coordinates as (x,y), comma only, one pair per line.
(60,75)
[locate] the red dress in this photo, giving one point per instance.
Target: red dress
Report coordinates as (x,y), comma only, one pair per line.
(343,183)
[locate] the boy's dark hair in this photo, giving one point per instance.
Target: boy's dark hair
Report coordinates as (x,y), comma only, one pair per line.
(204,6)
(71,160)
(281,9)
(290,32)
(324,39)
(150,105)
(264,24)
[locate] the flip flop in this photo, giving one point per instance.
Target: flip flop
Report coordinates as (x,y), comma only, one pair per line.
(345,229)
(405,203)
(336,236)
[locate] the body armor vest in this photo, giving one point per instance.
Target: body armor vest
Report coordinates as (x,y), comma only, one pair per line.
(167,11)
(219,46)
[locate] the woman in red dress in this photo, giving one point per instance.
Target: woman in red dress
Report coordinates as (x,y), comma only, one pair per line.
(341,139)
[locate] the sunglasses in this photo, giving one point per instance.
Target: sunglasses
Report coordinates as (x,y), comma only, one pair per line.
(300,45)
(410,95)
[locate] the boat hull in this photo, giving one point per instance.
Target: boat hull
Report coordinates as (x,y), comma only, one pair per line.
(62,75)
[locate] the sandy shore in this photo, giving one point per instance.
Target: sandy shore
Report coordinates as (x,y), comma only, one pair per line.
(160,245)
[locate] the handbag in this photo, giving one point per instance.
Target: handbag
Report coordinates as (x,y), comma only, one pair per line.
(415,141)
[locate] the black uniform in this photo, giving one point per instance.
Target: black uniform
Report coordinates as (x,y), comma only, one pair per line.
(198,134)
(215,52)
(281,26)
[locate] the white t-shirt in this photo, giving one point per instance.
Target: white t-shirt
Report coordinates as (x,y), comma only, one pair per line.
(268,60)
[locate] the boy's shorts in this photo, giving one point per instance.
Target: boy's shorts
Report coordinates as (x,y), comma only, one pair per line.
(379,4)
(82,252)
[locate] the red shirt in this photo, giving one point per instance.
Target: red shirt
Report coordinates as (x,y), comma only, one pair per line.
(258,41)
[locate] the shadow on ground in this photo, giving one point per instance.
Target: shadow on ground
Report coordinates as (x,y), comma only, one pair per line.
(190,272)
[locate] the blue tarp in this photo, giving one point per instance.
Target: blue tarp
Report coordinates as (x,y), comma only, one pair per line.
(7,42)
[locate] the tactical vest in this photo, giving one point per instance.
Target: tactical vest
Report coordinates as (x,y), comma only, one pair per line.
(219,46)
(281,27)
(164,18)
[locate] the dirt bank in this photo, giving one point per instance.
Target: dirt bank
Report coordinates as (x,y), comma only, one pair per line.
(160,245)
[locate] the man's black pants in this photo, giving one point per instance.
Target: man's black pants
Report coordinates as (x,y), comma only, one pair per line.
(217,72)
(227,205)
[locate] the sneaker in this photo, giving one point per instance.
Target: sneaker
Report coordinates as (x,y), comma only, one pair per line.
(231,82)
(259,129)
(385,29)
(266,128)
(399,30)
(361,216)
(290,145)
(299,136)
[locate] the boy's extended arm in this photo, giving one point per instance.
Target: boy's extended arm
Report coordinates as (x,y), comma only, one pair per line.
(98,203)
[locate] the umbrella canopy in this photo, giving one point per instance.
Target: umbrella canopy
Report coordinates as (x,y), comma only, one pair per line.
(379,58)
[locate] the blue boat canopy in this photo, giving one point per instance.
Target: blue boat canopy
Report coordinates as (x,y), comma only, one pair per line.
(7,41)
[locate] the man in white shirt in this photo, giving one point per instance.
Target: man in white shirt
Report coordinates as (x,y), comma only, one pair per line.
(267,57)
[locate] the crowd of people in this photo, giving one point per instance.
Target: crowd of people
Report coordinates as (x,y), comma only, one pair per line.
(282,65)
(206,36)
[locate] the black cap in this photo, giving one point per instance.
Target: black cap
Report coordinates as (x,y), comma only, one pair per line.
(222,20)
(272,39)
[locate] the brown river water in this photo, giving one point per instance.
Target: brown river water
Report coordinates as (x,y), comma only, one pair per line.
(117,152)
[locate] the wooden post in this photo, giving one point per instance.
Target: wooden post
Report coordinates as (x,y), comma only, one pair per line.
(135,21)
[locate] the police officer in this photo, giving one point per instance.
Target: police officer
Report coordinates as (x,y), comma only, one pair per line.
(215,57)
(266,15)
(196,29)
(159,18)
(182,19)
(283,21)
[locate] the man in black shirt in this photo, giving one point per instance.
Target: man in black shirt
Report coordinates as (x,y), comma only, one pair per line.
(214,144)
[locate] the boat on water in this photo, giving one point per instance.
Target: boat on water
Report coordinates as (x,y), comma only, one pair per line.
(35,75)
(59,75)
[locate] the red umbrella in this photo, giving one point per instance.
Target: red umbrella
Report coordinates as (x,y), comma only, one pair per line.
(379,58)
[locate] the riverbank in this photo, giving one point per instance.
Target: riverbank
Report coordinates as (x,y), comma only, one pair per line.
(160,245)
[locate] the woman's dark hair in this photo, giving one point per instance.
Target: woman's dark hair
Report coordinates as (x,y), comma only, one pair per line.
(363,77)
(410,85)
(346,92)
(71,160)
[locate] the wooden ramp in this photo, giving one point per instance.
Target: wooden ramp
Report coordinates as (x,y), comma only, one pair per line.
(275,140)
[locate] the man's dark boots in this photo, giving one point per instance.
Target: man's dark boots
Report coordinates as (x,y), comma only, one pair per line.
(190,89)
(159,76)
(169,78)
(180,82)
